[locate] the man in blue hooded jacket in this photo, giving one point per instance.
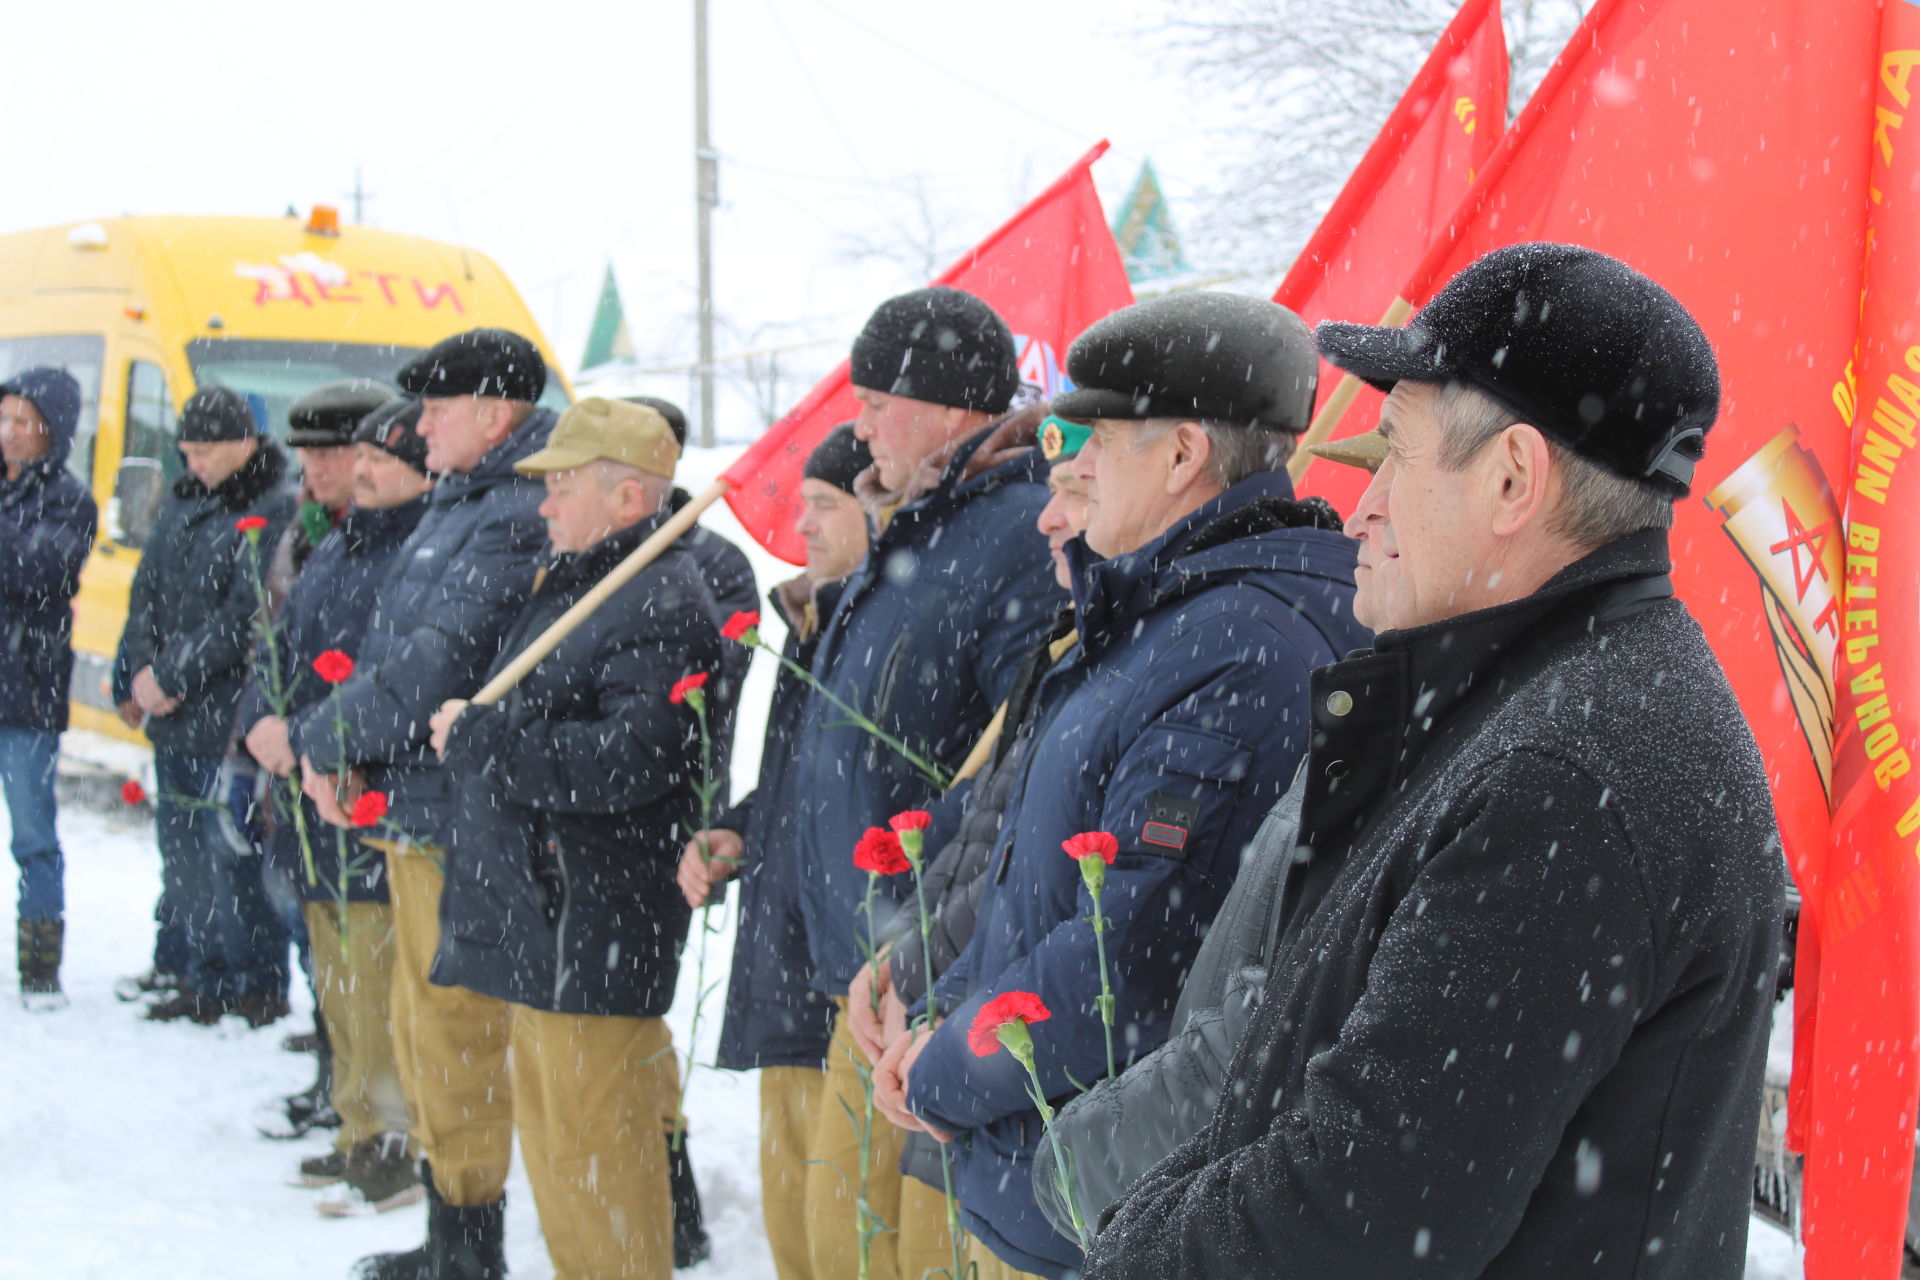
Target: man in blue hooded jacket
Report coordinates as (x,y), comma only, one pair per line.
(1205,595)
(47,520)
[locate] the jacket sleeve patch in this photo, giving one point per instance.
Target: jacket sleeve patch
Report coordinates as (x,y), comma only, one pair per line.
(1170,820)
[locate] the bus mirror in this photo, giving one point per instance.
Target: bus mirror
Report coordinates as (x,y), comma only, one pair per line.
(138,490)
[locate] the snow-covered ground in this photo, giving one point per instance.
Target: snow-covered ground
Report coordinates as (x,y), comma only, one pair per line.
(127,1148)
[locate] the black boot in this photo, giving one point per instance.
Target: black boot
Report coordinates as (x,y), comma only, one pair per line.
(690,1243)
(40,945)
(462,1244)
(414,1264)
(467,1243)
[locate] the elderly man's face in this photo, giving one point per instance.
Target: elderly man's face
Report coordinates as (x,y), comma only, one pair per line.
(1425,538)
(1129,500)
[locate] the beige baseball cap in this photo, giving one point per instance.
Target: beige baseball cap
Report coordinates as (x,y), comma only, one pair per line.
(616,430)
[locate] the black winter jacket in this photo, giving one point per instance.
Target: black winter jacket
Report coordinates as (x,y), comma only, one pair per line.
(774,1016)
(327,607)
(195,597)
(1517,1019)
(576,792)
(47,521)
(454,589)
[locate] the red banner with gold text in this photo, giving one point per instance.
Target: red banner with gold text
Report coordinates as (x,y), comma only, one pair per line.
(1855,1046)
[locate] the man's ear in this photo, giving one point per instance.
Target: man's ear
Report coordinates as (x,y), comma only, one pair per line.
(1521,473)
(1192,450)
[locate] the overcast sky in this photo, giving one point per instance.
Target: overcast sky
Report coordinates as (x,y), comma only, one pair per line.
(557,137)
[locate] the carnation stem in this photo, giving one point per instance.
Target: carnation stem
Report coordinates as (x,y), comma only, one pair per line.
(956,1236)
(1062,1168)
(933,773)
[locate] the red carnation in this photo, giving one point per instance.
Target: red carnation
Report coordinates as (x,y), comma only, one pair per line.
(1024,1007)
(879,851)
(368,809)
(132,792)
(911,820)
(1090,843)
(250,524)
(741,626)
(686,685)
(333,666)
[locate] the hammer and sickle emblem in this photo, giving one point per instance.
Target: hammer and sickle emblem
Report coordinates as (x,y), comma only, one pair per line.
(1463,112)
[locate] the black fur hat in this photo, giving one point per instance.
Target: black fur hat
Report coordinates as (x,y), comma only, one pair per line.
(941,345)
(1223,357)
(326,416)
(479,362)
(1576,343)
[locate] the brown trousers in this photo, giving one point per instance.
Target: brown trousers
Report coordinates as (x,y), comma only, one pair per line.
(915,1215)
(353,977)
(588,1095)
(450,1046)
(790,1098)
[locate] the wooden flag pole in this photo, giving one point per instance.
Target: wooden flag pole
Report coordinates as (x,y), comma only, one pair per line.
(1341,400)
(642,556)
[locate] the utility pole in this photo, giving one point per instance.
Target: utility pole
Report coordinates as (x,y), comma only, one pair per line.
(707,177)
(360,195)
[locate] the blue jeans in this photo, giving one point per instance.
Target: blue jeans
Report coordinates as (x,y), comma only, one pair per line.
(26,772)
(212,899)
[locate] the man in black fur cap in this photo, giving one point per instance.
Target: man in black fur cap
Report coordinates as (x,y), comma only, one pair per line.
(1515,1015)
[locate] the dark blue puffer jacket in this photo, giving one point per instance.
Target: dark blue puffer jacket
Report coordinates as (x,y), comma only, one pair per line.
(774,1016)
(454,590)
(1175,725)
(47,521)
(955,592)
(327,608)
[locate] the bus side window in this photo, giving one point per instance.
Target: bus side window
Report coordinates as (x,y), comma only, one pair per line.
(149,458)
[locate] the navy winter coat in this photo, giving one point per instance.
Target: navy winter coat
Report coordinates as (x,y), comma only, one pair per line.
(1516,1024)
(195,597)
(47,521)
(1175,725)
(454,589)
(327,608)
(955,591)
(576,793)
(774,1017)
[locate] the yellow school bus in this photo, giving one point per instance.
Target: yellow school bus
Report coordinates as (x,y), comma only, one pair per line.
(145,310)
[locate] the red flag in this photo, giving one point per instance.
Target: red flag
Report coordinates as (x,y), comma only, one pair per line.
(1051,271)
(1855,1055)
(1441,133)
(1707,144)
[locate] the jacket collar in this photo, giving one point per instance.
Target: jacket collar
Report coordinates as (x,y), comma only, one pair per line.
(496,465)
(805,605)
(256,477)
(1378,713)
(1218,537)
(35,475)
(598,560)
(375,526)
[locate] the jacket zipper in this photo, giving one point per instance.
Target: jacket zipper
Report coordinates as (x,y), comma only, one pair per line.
(560,927)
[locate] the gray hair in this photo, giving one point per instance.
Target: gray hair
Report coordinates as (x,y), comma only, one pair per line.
(1596,505)
(1239,450)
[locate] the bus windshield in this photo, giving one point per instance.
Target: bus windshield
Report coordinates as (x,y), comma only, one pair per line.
(272,375)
